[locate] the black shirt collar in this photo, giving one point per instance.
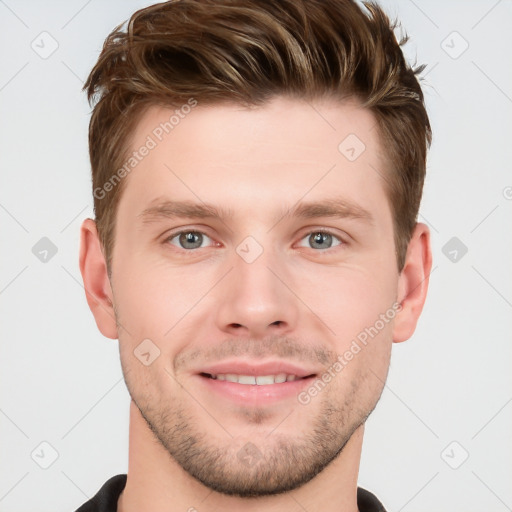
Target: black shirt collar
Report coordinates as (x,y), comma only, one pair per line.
(106,498)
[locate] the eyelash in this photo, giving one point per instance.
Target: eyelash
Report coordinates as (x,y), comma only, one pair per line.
(309,233)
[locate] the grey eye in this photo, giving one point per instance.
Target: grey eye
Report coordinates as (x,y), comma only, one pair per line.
(321,240)
(189,239)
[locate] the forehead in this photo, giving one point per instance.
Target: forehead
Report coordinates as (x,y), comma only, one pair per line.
(278,153)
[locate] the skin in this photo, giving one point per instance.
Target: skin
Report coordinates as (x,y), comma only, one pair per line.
(299,301)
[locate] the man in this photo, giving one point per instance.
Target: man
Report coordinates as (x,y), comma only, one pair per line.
(257,172)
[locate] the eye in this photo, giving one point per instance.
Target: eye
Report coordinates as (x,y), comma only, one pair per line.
(188,239)
(192,239)
(322,240)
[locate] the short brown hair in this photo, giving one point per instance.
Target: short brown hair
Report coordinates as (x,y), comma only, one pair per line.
(246,52)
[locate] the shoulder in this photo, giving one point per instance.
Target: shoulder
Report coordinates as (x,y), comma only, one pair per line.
(105,500)
(368,502)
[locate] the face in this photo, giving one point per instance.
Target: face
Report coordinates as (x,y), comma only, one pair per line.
(252,254)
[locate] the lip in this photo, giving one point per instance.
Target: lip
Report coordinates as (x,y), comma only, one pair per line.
(254,395)
(261,368)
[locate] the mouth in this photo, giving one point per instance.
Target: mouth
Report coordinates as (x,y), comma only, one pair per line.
(255,385)
(255,380)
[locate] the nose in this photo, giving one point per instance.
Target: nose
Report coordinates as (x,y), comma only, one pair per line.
(255,299)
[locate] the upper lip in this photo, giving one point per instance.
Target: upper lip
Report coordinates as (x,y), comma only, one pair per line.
(238,367)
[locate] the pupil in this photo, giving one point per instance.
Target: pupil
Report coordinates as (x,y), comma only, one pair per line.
(319,238)
(190,238)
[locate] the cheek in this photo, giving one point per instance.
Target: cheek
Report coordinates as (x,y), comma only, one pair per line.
(152,298)
(358,307)
(349,300)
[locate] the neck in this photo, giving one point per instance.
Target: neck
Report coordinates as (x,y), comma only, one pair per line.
(156,482)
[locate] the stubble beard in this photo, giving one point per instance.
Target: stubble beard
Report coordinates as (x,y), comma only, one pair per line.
(271,464)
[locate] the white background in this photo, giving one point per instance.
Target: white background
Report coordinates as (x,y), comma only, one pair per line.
(61,380)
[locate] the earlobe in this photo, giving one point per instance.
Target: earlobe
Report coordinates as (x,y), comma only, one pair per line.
(98,291)
(413,283)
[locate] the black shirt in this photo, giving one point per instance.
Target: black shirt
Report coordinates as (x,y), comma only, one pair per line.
(106,498)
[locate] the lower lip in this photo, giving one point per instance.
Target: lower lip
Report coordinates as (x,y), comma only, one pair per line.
(253,394)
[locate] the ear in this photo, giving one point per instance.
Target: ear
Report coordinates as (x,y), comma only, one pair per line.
(96,282)
(413,283)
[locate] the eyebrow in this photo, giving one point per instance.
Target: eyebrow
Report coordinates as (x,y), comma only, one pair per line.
(329,207)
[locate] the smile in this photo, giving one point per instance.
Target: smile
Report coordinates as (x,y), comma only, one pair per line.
(258,380)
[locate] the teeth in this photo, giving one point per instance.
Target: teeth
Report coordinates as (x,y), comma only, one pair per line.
(265,379)
(246,379)
(260,380)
